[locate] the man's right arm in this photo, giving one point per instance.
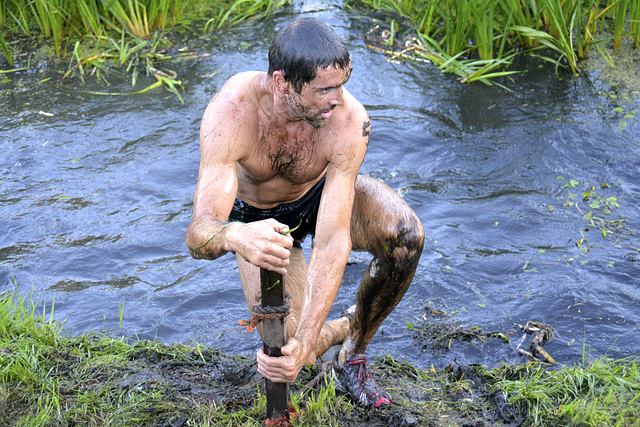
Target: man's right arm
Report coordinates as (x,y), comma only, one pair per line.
(207,235)
(224,140)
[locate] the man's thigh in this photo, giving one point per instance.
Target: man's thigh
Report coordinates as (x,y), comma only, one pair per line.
(379,215)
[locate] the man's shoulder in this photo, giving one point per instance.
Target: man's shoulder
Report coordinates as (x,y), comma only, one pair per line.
(241,87)
(356,111)
(237,97)
(232,112)
(354,116)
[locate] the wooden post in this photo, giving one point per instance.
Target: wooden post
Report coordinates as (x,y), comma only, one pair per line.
(274,335)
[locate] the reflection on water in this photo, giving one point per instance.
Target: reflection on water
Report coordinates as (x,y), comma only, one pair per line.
(96,197)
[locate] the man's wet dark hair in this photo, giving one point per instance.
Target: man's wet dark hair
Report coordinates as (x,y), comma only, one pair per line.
(303,46)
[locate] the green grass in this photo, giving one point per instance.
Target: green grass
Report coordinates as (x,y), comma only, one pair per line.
(50,378)
(600,393)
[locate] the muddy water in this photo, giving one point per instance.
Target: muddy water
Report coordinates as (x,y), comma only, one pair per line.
(96,194)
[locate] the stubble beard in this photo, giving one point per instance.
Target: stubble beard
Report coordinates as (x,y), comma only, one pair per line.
(305,113)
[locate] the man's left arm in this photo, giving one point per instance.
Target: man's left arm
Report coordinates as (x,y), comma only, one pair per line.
(330,253)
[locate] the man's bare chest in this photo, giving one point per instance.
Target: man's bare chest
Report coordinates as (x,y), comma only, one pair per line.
(297,158)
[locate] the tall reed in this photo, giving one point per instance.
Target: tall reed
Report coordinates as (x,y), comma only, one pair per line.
(242,10)
(620,13)
(3,13)
(5,49)
(482,13)
(634,21)
(95,18)
(561,19)
(51,18)
(132,15)
(480,29)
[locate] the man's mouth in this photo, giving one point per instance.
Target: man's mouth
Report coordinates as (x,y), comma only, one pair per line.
(327,114)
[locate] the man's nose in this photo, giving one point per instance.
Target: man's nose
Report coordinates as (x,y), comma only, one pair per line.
(338,97)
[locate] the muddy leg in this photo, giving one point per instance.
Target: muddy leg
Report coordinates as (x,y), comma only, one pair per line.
(383,224)
(333,332)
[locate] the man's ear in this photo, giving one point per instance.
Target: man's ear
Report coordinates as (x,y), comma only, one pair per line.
(279,82)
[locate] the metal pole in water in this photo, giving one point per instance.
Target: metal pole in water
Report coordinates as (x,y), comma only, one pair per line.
(274,336)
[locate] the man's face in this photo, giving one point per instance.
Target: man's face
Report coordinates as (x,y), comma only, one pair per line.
(318,98)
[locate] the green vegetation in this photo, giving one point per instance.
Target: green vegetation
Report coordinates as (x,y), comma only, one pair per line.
(479,39)
(127,34)
(602,393)
(48,378)
(597,208)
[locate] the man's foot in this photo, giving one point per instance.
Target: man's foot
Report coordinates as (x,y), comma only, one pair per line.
(353,377)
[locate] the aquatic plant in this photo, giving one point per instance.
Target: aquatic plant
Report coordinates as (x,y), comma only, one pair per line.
(466,31)
(124,32)
(241,10)
(5,50)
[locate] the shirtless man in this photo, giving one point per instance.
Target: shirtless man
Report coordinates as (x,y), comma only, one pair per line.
(282,149)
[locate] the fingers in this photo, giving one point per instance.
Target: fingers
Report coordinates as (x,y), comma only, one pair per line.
(283,369)
(278,226)
(277,369)
(291,347)
(263,244)
(272,263)
(285,239)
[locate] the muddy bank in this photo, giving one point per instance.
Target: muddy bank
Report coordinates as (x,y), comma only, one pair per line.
(48,378)
(154,387)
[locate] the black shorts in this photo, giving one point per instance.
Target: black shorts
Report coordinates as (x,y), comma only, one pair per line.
(302,212)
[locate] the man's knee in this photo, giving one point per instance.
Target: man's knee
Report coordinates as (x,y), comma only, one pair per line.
(402,241)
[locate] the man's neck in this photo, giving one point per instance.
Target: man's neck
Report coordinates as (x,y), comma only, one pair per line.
(279,109)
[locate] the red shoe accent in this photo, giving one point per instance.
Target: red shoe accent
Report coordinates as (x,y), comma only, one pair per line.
(383,401)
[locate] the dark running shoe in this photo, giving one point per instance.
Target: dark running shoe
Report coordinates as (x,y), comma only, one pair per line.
(354,378)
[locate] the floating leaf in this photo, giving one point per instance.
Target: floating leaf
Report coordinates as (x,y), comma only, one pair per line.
(587,216)
(75,160)
(618,109)
(573,183)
